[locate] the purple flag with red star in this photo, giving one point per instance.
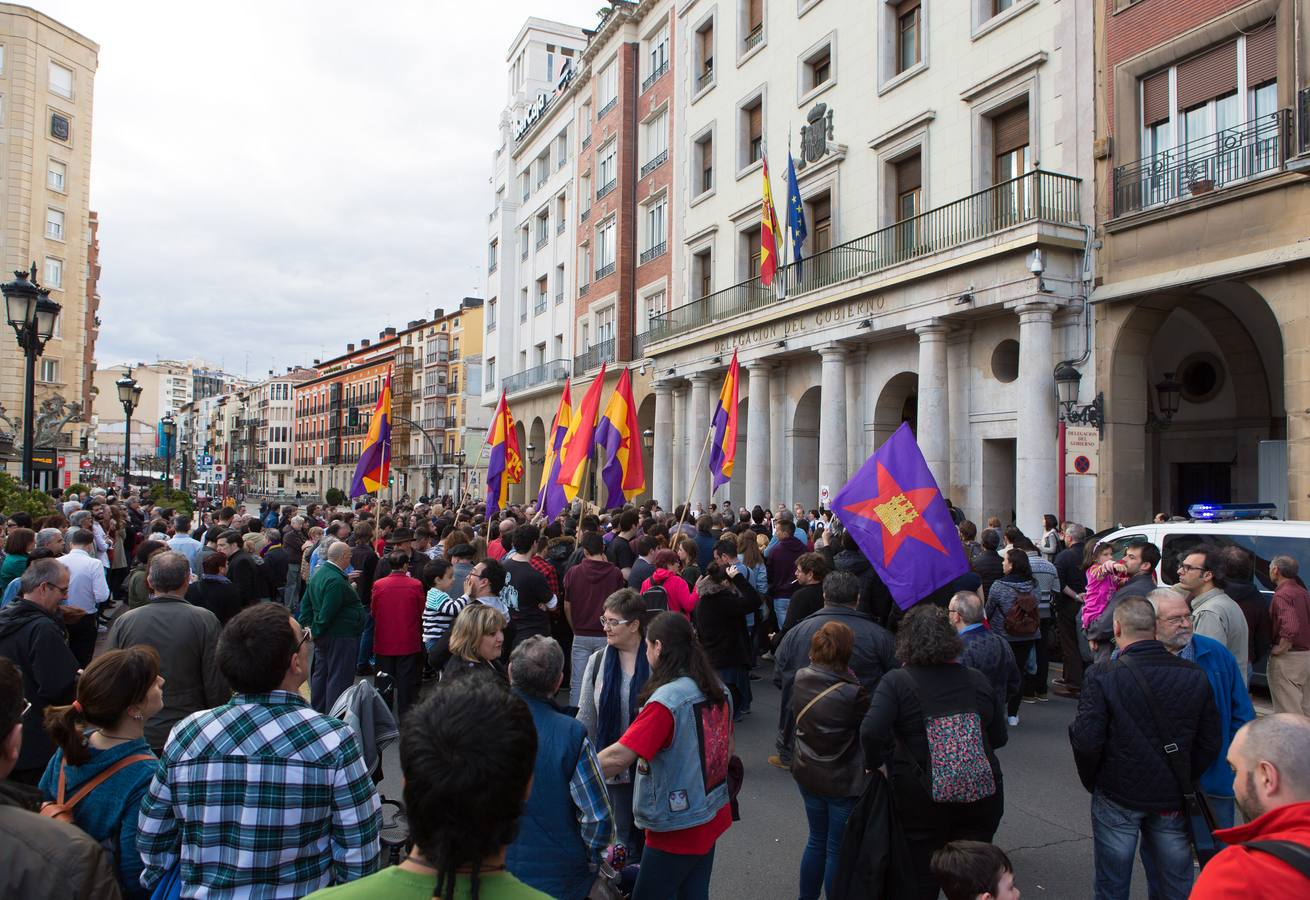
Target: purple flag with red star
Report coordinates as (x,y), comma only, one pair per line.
(896,514)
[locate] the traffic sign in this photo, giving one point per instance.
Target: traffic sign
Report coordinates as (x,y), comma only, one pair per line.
(1082,448)
(86,464)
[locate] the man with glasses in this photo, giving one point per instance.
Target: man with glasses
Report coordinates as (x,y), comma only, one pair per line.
(32,636)
(1140,559)
(1214,613)
(482,584)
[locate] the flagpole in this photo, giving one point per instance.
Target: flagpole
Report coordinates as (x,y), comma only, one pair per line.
(695,475)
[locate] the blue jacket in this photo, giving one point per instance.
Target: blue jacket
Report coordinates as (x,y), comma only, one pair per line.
(549,853)
(685,784)
(991,654)
(1232,700)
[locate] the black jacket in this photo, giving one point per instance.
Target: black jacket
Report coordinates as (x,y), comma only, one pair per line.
(219,597)
(875,599)
(805,602)
(989,567)
(828,759)
(1259,626)
(875,860)
(720,617)
(34,640)
(245,573)
(276,561)
(1115,743)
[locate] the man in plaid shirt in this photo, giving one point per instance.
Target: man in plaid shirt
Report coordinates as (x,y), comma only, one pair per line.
(262,797)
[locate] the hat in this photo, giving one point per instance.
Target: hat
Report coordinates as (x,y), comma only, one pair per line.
(463,550)
(400,535)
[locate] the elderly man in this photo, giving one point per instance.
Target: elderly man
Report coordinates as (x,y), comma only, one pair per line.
(51,539)
(984,650)
(567,823)
(333,614)
(1214,613)
(1289,658)
(86,591)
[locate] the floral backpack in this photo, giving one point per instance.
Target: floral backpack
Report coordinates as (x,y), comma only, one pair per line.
(959,770)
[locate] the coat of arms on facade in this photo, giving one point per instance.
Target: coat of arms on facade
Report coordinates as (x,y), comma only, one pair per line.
(815,135)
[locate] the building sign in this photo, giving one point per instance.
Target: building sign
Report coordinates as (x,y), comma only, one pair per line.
(44,460)
(815,135)
(851,310)
(537,109)
(1082,448)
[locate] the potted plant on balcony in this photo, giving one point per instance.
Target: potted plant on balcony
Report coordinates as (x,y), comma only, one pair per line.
(1200,186)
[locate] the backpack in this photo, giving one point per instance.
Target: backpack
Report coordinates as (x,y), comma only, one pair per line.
(1023,619)
(62,810)
(958,768)
(656,598)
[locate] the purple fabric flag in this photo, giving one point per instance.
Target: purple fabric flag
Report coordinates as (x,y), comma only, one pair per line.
(896,514)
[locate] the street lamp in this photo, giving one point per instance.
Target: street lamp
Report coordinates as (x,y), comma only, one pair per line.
(32,315)
(184,446)
(648,440)
(1067,379)
(1168,395)
(458,459)
(129,394)
(168,426)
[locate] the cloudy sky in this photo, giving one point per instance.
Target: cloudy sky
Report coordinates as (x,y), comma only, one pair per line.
(275,179)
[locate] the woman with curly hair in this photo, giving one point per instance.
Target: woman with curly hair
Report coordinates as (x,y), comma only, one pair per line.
(935,724)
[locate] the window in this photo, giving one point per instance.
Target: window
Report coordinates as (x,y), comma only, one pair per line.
(523,305)
(523,242)
(2,59)
(817,69)
(909,187)
(56,173)
(525,181)
(752,130)
(586,124)
(749,265)
(820,216)
(493,251)
(54,273)
(54,224)
(656,215)
(908,37)
(705,54)
(605,325)
(559,284)
(543,228)
(491,314)
(754,24)
(608,88)
(562,148)
(50,370)
(61,81)
(605,248)
(607,168)
(702,272)
(703,157)
(491,373)
(1010,143)
(543,167)
(561,211)
(656,136)
(655,304)
(657,56)
(584,268)
(542,295)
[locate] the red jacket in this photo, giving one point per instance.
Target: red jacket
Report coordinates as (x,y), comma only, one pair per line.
(681,598)
(397,615)
(1254,874)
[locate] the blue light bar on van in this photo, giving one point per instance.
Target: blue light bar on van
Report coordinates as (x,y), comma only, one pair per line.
(1229,511)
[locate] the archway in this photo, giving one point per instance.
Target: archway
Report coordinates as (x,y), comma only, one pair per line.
(518,491)
(805,449)
(734,492)
(531,467)
(646,421)
(897,402)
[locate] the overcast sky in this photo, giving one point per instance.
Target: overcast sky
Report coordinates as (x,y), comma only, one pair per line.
(275,179)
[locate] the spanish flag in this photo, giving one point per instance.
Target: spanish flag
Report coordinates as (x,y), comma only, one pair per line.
(624,472)
(374,466)
(723,448)
(580,439)
(769,232)
(505,467)
(550,496)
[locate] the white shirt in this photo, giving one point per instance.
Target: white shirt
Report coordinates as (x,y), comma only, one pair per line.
(102,544)
(86,580)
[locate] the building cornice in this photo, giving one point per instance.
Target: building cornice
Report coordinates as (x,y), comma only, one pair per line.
(976,90)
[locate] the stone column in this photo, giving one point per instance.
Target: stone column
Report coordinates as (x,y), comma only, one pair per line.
(832,421)
(779,452)
(662,477)
(698,427)
(934,403)
(856,374)
(962,490)
(1035,449)
(679,477)
(758,434)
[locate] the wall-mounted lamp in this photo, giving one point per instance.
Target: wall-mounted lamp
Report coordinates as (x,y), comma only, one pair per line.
(866,324)
(781,345)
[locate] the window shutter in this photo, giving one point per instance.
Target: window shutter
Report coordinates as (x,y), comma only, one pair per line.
(755,114)
(1210,75)
(1155,98)
(1010,130)
(909,174)
(1262,56)
(906,6)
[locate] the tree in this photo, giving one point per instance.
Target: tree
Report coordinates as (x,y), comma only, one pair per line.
(335,496)
(14,498)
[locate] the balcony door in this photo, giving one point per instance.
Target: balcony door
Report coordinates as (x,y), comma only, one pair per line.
(1010,160)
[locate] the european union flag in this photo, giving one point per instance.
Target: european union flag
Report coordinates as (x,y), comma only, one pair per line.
(795,214)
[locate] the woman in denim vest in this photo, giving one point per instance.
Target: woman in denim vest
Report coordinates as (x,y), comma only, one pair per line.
(681,742)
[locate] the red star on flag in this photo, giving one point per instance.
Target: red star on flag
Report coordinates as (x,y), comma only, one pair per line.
(899,513)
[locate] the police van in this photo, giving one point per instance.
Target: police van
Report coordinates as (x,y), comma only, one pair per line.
(1251,526)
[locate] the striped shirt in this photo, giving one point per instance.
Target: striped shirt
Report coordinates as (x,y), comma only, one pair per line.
(439,614)
(262,798)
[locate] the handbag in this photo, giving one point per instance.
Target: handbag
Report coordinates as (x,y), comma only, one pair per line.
(170,886)
(1195,804)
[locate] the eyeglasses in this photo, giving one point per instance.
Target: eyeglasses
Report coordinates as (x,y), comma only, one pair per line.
(306,638)
(1186,568)
(27,706)
(1175,620)
(610,624)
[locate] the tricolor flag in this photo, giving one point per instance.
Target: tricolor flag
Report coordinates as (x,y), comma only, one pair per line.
(550,497)
(623,473)
(580,438)
(374,466)
(505,467)
(723,446)
(768,233)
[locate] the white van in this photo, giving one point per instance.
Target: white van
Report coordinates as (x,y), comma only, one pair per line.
(1244,525)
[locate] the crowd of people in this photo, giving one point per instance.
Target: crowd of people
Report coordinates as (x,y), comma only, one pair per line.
(171,684)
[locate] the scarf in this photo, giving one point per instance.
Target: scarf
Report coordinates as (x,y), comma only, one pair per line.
(609,714)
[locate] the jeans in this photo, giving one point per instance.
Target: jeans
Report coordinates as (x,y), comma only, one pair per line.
(1164,841)
(583,646)
(1223,810)
(780,605)
(737,680)
(827,816)
(333,670)
(1021,650)
(666,876)
(365,654)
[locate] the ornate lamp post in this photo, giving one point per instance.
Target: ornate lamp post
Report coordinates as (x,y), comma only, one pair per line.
(1067,379)
(168,425)
(129,394)
(458,458)
(185,447)
(32,315)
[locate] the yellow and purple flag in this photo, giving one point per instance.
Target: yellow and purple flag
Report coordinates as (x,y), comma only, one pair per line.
(505,465)
(768,232)
(550,497)
(624,471)
(895,512)
(723,446)
(580,439)
(374,466)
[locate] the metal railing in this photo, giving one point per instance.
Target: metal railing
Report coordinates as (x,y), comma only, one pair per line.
(1203,165)
(540,306)
(454,355)
(654,164)
(654,76)
(543,239)
(583,288)
(706,75)
(753,39)
(639,342)
(546,373)
(1303,119)
(434,390)
(523,253)
(1034,196)
(605,189)
(599,352)
(559,225)
(559,296)
(584,215)
(600,113)
(607,269)
(491,267)
(658,250)
(586,142)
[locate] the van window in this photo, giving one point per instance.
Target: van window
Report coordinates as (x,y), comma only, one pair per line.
(1119,546)
(1264,546)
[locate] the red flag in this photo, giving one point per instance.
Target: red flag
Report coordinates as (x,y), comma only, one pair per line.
(768,233)
(580,437)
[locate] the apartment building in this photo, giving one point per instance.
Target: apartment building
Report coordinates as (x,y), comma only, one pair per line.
(1203,205)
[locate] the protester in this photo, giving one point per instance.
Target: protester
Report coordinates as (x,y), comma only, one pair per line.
(88,587)
(1012,613)
(828,705)
(987,564)
(1239,565)
(477,640)
(931,699)
(331,610)
(586,587)
(1068,610)
(725,597)
(780,560)
(664,585)
(973,870)
(984,650)
(18,547)
(1214,614)
(398,602)
(1289,658)
(644,565)
(101,746)
(439,608)
(807,598)
(184,543)
(684,736)
(213,590)
(529,614)
(309,813)
(242,568)
(1138,567)
(1104,575)
(138,592)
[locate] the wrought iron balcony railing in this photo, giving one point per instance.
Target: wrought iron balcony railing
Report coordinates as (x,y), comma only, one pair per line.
(1206,164)
(583,288)
(658,250)
(639,342)
(753,39)
(605,189)
(706,74)
(547,373)
(1034,196)
(1303,119)
(654,163)
(607,269)
(539,307)
(599,352)
(559,225)
(600,114)
(654,76)
(586,141)
(584,215)
(542,240)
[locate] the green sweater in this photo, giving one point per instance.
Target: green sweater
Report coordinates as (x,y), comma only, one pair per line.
(14,566)
(331,608)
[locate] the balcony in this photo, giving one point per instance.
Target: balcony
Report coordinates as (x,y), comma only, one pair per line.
(454,354)
(1303,120)
(658,250)
(491,267)
(547,373)
(586,141)
(599,352)
(654,76)
(583,216)
(540,306)
(543,239)
(436,358)
(603,271)
(523,253)
(606,189)
(583,288)
(1036,196)
(433,390)
(654,164)
(639,342)
(1202,166)
(559,225)
(559,296)
(706,75)
(753,39)
(600,113)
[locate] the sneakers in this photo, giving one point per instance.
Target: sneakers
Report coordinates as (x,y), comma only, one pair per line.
(1041,698)
(1012,720)
(776,761)
(1030,698)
